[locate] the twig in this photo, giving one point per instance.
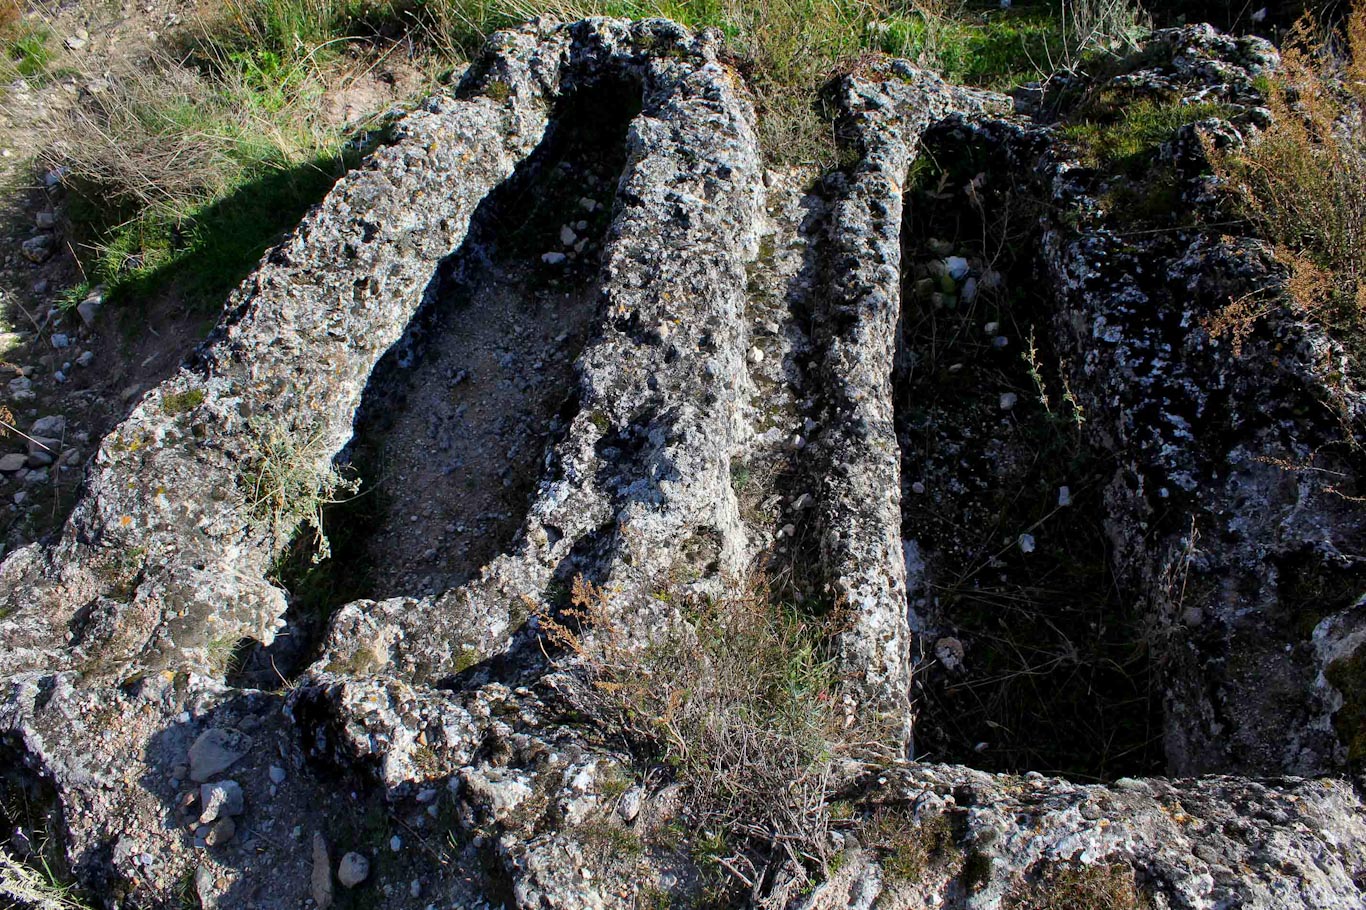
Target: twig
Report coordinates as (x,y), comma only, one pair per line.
(13,429)
(743,879)
(437,855)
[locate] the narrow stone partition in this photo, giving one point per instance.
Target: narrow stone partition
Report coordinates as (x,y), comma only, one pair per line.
(857,310)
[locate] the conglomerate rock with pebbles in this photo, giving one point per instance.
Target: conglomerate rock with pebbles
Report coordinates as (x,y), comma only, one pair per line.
(669,320)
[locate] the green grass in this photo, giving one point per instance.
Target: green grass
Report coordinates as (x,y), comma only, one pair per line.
(25,50)
(910,848)
(185,172)
(999,52)
(26,54)
(1067,886)
(1126,138)
(204,252)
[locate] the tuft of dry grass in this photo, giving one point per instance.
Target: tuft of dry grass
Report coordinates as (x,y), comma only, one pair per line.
(741,701)
(287,479)
(157,138)
(1099,886)
(1300,182)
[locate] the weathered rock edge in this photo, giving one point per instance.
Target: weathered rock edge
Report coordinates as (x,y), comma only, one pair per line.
(159,560)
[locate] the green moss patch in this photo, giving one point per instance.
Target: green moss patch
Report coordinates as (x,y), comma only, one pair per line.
(177,403)
(1348,676)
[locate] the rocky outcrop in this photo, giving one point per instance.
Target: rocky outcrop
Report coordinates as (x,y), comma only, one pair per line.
(746,389)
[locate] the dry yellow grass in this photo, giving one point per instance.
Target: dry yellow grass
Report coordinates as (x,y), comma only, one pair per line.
(1300,183)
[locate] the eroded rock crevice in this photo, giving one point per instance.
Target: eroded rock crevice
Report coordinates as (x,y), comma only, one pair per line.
(1030,653)
(459,417)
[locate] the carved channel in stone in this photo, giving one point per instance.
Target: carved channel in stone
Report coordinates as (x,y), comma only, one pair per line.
(459,416)
(1029,654)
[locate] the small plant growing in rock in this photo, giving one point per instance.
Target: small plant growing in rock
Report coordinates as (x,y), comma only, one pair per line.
(740,702)
(910,847)
(287,480)
(222,654)
(1064,886)
(28,887)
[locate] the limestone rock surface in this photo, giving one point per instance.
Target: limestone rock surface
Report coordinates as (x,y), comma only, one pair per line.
(571,307)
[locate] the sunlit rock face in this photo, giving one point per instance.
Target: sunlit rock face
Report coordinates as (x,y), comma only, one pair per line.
(963,399)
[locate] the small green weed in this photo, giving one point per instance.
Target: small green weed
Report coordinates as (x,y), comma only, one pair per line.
(222,654)
(614,783)
(29,54)
(29,887)
(29,805)
(286,481)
